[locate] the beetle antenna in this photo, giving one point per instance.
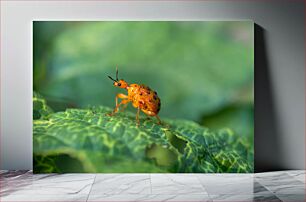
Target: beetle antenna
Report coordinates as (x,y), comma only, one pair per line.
(117,72)
(111,78)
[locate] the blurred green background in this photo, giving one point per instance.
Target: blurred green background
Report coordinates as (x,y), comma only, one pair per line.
(202,71)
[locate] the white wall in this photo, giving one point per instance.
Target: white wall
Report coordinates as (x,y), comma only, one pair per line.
(283,32)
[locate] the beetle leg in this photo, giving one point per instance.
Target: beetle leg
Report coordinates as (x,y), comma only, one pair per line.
(159,121)
(118,105)
(123,107)
(121,96)
(137,116)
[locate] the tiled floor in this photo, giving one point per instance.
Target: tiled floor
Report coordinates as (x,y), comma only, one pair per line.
(273,186)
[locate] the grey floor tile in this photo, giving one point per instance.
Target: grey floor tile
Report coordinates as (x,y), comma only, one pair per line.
(150,198)
(14,180)
(266,198)
(230,197)
(43,198)
(261,193)
(287,186)
(216,184)
(292,197)
(260,189)
(121,184)
(277,172)
(176,184)
(282,184)
(183,198)
(298,175)
(3,171)
(47,184)
(287,189)
(245,198)
(275,175)
(14,174)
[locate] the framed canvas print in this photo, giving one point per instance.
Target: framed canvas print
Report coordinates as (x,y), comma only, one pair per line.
(143,96)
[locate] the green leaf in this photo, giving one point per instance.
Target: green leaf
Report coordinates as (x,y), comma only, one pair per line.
(40,108)
(87,140)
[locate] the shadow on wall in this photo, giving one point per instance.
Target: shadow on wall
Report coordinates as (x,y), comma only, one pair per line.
(266,141)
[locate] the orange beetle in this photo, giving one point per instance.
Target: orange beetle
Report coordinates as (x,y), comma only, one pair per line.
(141,96)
